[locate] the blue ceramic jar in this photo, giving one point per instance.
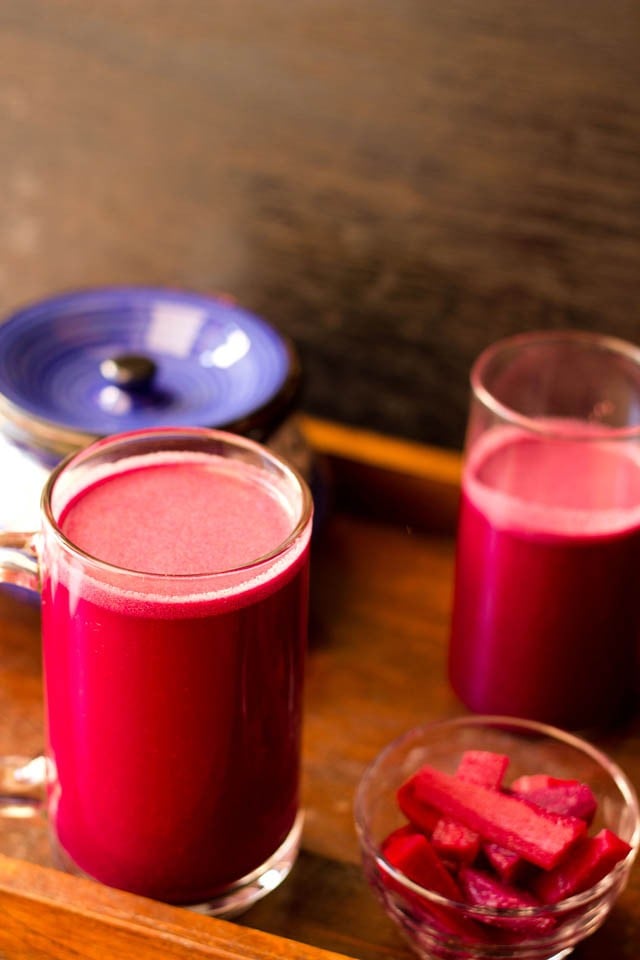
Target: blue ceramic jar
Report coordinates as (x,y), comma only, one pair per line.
(94,362)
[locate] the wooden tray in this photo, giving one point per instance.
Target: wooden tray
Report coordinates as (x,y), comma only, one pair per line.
(381,582)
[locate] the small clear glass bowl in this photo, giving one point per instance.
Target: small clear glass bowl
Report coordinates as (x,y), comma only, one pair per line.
(423,915)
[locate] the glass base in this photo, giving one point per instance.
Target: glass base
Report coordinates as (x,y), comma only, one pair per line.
(257,884)
(239,896)
(22,782)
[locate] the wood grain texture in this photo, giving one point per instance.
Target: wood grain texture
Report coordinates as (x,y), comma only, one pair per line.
(51,916)
(393,184)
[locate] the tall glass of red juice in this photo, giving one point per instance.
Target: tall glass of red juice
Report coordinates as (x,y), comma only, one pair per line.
(174,581)
(546,611)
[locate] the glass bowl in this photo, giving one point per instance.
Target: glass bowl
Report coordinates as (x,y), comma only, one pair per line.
(438,927)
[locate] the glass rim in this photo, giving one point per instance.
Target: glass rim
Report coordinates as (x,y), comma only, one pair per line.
(622,781)
(203,433)
(597,341)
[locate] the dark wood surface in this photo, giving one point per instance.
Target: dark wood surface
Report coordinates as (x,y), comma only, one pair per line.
(394,184)
(381,586)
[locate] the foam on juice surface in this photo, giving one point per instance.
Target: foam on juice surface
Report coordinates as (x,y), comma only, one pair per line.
(567,486)
(176,519)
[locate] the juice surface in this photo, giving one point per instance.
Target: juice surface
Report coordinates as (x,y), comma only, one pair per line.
(174,723)
(546,610)
(184,517)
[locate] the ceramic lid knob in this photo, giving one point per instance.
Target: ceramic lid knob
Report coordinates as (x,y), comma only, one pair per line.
(131,371)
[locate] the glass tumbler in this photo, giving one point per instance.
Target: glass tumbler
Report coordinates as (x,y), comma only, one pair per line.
(546,611)
(173,570)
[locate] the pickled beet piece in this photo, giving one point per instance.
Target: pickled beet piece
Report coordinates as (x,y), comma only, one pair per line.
(451,838)
(483,766)
(569,797)
(590,860)
(422,817)
(413,855)
(482,890)
(509,866)
(538,835)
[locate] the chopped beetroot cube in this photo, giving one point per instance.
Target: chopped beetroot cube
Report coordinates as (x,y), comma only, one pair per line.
(508,865)
(569,797)
(452,839)
(413,855)
(482,890)
(421,816)
(590,860)
(406,830)
(538,835)
(483,766)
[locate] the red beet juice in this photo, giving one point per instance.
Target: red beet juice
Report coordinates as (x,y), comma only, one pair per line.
(174,697)
(546,613)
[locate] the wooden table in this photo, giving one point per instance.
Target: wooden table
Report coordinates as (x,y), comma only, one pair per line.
(382,569)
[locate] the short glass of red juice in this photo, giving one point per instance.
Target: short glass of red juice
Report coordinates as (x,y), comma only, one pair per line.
(546,610)
(174,579)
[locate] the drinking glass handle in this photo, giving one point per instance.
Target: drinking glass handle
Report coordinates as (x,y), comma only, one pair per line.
(18,560)
(22,783)
(22,779)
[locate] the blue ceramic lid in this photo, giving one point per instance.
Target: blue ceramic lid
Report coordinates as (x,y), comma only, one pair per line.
(96,362)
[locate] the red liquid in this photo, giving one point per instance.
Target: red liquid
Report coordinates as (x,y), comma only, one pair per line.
(174,723)
(546,612)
